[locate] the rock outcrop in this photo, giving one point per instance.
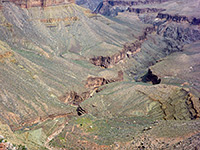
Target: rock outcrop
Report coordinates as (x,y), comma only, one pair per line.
(112,7)
(128,50)
(133,2)
(38,3)
(92,84)
(179,18)
(95,82)
(144,10)
(74,98)
(5,55)
(107,61)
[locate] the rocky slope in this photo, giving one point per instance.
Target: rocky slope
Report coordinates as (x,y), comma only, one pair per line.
(36,56)
(91,4)
(38,3)
(112,7)
(71,78)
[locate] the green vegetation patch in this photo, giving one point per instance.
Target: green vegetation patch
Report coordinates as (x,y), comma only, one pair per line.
(87,124)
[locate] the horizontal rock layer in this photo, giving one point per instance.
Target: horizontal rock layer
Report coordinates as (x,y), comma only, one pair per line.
(178,18)
(38,3)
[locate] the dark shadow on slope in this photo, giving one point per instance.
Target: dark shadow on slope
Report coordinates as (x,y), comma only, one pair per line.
(150,77)
(80,111)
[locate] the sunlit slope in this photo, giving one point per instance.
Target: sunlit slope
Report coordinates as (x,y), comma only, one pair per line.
(45,53)
(68,28)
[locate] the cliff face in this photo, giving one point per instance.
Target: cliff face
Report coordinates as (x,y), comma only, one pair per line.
(38,3)
(131,2)
(92,85)
(179,18)
(112,7)
(144,10)
(128,50)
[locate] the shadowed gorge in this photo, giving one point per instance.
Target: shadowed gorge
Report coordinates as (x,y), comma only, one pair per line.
(99,74)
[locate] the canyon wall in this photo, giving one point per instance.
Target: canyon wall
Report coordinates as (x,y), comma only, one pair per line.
(38,3)
(144,10)
(131,2)
(128,50)
(178,18)
(112,7)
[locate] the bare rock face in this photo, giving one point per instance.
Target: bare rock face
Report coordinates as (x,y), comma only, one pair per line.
(129,50)
(94,82)
(74,98)
(39,3)
(71,98)
(108,61)
(144,10)
(177,18)
(112,7)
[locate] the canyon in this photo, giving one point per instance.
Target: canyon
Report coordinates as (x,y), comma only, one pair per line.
(101,74)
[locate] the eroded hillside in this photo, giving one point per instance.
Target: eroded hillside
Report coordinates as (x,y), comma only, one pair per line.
(73,78)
